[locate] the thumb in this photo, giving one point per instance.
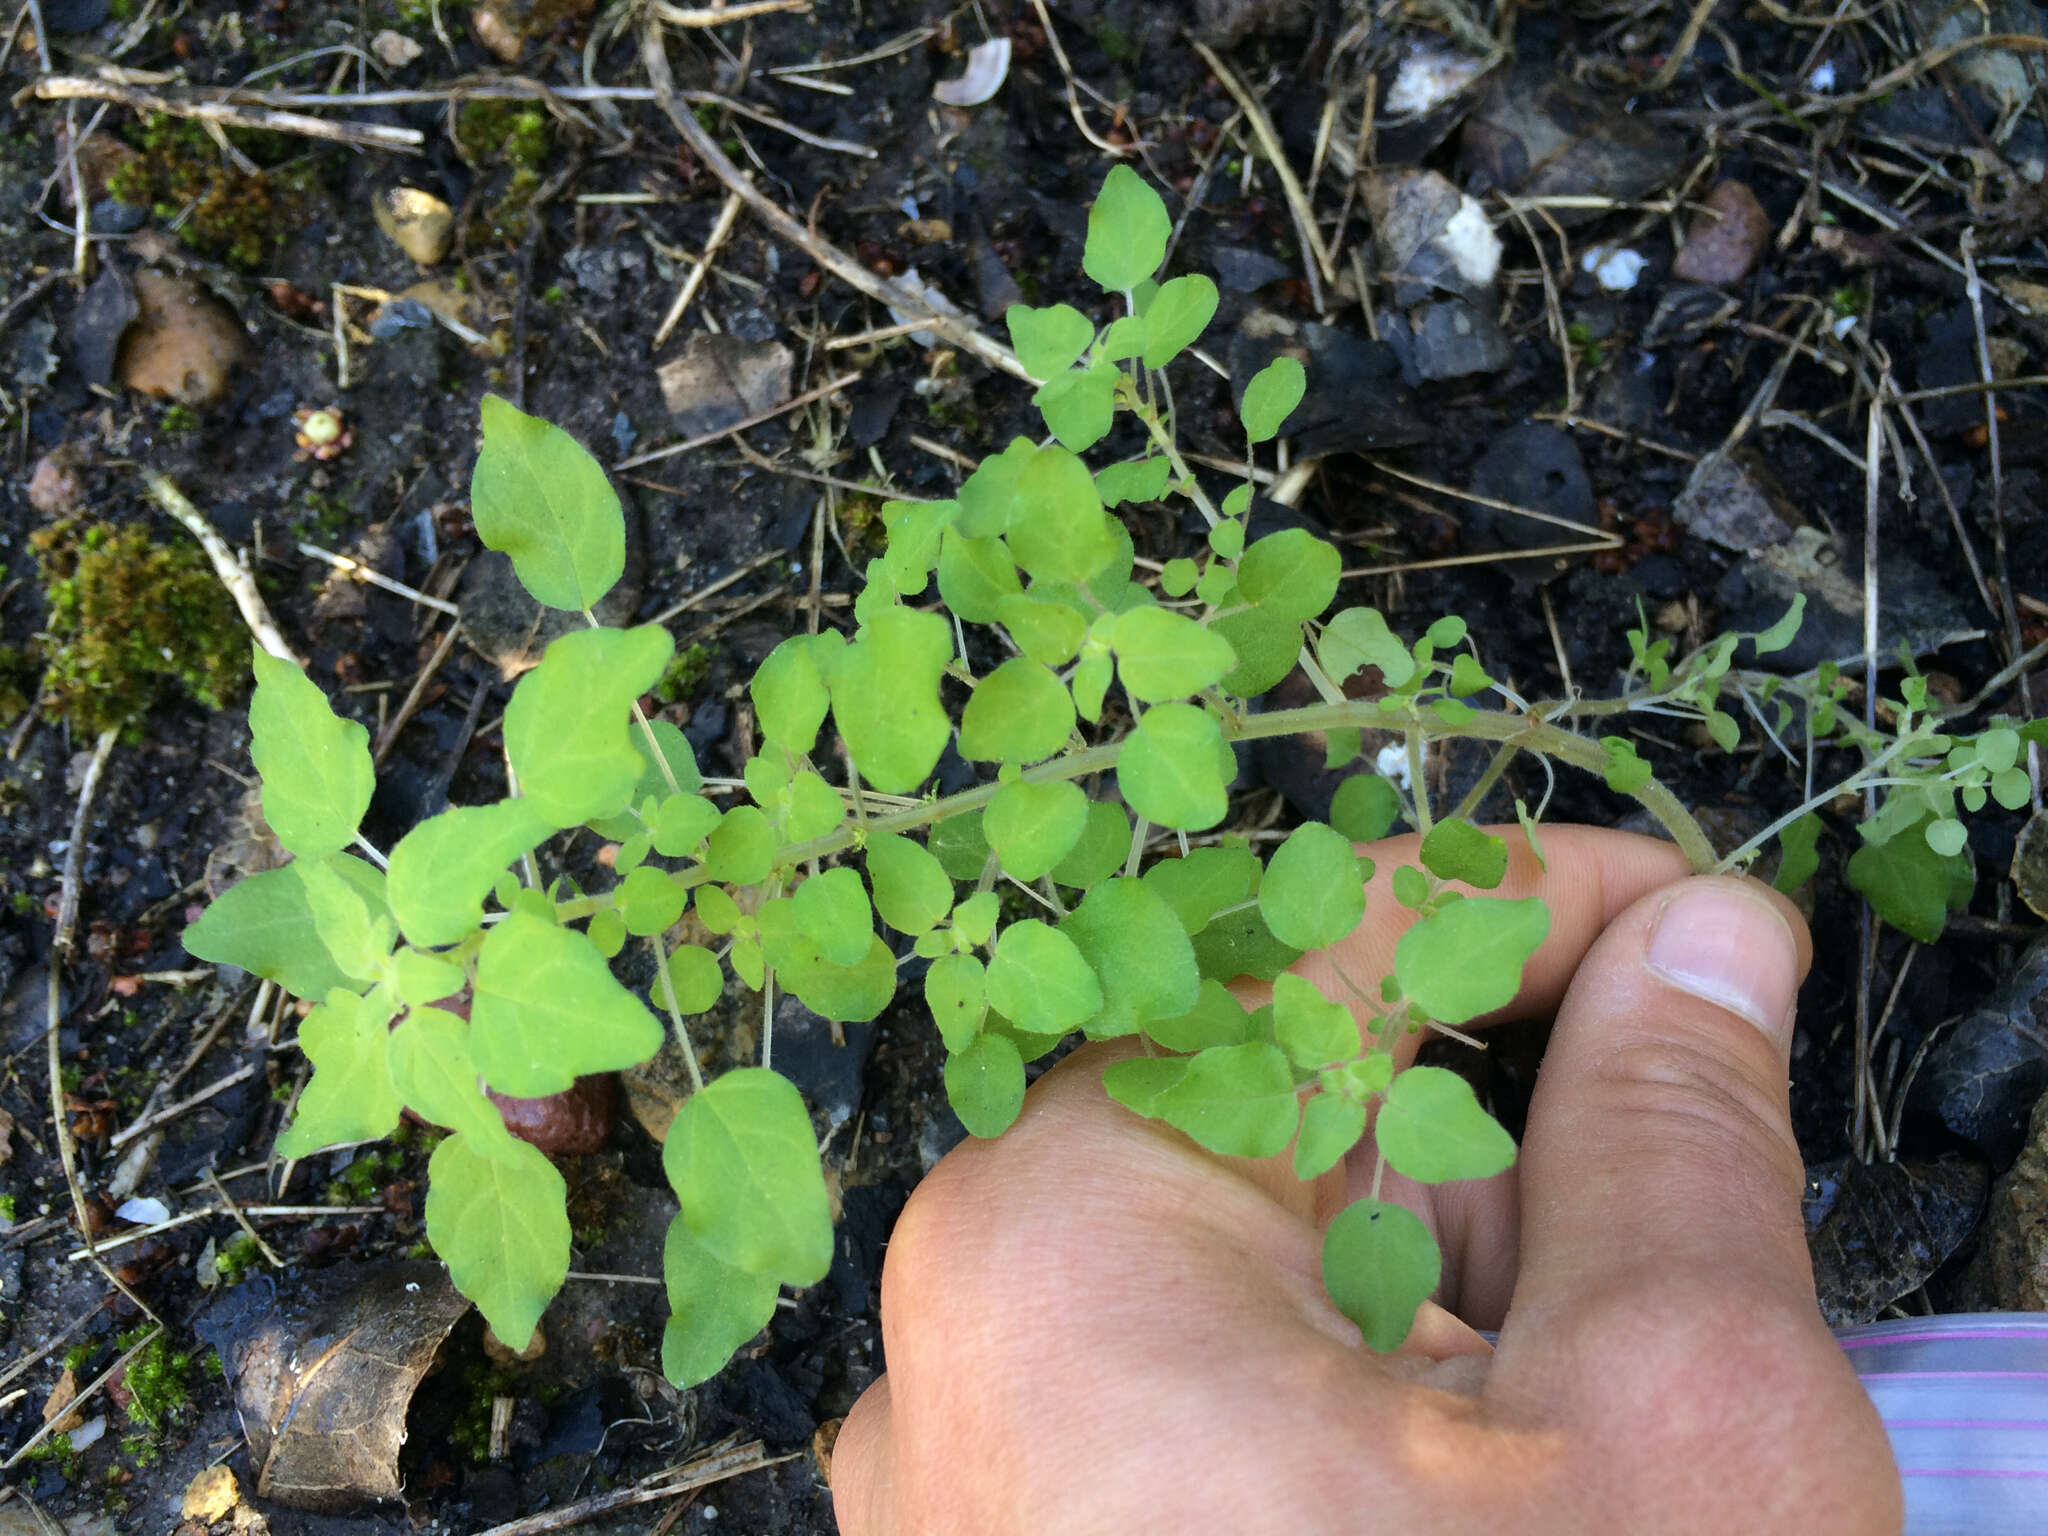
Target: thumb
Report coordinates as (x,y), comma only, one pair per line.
(1660,1136)
(1665,1304)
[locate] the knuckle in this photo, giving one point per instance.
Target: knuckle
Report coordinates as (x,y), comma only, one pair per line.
(1689,1095)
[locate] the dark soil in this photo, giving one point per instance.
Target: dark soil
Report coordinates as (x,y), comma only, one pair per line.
(574,230)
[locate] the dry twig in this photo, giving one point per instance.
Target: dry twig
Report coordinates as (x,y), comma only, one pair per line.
(366,135)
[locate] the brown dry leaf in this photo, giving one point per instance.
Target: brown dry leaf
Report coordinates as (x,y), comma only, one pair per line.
(210,1496)
(57,1407)
(323,1376)
(6,1137)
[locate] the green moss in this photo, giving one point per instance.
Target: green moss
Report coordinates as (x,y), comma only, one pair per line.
(237,1259)
(18,675)
(233,215)
(158,1379)
(58,1452)
(515,131)
(363,1178)
(470,1433)
(127,618)
(7,1209)
(179,421)
(323,513)
(76,1356)
(685,674)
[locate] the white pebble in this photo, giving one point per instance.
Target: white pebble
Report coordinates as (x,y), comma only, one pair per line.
(1614,268)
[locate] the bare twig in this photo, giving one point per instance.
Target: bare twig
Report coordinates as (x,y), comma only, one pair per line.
(170,1112)
(718,15)
(1298,204)
(726,218)
(375,578)
(367,135)
(388,737)
(723,1461)
(830,386)
(61,947)
(98,1382)
(240,584)
(1059,53)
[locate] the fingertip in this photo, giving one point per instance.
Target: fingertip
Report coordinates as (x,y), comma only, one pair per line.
(859,1469)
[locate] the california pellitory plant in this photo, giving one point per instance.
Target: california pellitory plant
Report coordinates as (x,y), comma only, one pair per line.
(837,860)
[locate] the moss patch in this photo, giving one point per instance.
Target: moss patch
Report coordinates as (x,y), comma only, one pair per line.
(128,618)
(233,215)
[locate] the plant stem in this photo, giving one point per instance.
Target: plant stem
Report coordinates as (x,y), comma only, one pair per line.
(1163,439)
(1865,777)
(675,1012)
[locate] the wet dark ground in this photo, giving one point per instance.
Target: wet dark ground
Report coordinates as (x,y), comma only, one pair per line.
(988,204)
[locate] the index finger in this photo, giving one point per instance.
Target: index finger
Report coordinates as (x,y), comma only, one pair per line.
(1588,877)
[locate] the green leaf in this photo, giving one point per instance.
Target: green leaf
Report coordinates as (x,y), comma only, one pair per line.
(1380,1264)
(1079,407)
(673,749)
(2011,788)
(1528,825)
(1722,727)
(1946,838)
(567,729)
(606,931)
(1019,713)
(1059,532)
(743,1160)
(1048,633)
(1781,634)
(1909,884)
(1271,396)
(1204,882)
(988,497)
(975,575)
(1626,772)
(428,1058)
(442,869)
(1127,231)
(741,848)
(1432,1130)
(1123,338)
(263,924)
(547,1011)
(715,1308)
(359,946)
(914,529)
(422,978)
(1177,316)
(316,770)
(789,695)
(885,697)
(1140,954)
(1091,685)
(1032,827)
(1310,1028)
(845,992)
(1457,850)
(1139,1082)
(649,900)
(1356,638)
(1240,944)
(681,823)
(1226,538)
(1039,979)
(497,1214)
(1135,480)
(1047,341)
(1178,576)
(960,845)
(1798,858)
(694,978)
(1164,655)
(1267,645)
(1216,1019)
(1365,807)
(1172,769)
(1411,887)
(350,1097)
(985,1084)
(1331,1125)
(1314,890)
(1998,750)
(974,920)
(1466,959)
(912,890)
(1100,851)
(538,497)
(1292,573)
(832,909)
(1236,1100)
(956,992)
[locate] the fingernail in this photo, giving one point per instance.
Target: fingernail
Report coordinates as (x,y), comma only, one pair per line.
(1718,941)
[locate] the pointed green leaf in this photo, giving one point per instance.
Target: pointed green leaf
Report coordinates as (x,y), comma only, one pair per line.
(1331,1125)
(567,727)
(262,923)
(428,1058)
(1908,883)
(1099,852)
(350,1097)
(1380,1264)
(1079,407)
(1173,768)
(1091,685)
(1781,634)
(975,575)
(1140,954)
(1266,644)
(885,697)
(1236,1100)
(960,845)
(985,1084)
(1127,231)
(715,1308)
(1313,1030)
(912,889)
(988,497)
(315,766)
(1292,573)
(1136,480)
(682,822)
(1177,316)
(442,869)
(741,848)
(1216,1019)
(1059,531)
(1039,979)
(832,909)
(1032,827)
(1048,340)
(1122,339)
(789,695)
(1019,713)
(497,1215)
(422,978)
(1466,959)
(1139,1082)
(743,1160)
(547,1010)
(856,992)
(1271,396)
(1314,889)
(1432,1130)
(359,945)
(538,497)
(1164,655)
(1356,638)
(1457,850)
(956,992)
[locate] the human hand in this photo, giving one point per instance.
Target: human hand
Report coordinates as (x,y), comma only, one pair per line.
(1092,1325)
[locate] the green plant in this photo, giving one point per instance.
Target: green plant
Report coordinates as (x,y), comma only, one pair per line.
(773,861)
